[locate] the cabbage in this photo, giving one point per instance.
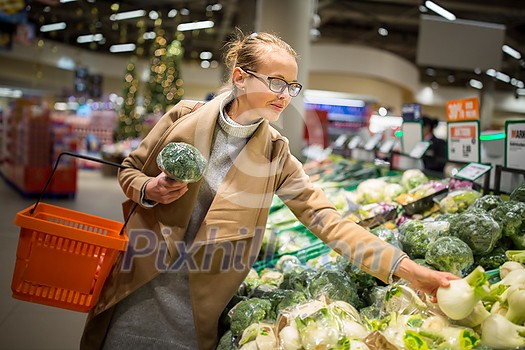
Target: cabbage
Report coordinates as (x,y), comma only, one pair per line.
(412,178)
(370,191)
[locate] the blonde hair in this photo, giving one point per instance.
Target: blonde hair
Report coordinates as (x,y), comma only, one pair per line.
(249,51)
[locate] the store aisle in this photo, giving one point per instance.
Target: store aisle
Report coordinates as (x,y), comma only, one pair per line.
(26,325)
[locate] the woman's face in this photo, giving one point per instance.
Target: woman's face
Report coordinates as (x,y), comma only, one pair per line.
(255,98)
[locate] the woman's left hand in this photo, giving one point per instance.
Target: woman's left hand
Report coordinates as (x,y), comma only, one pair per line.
(422,278)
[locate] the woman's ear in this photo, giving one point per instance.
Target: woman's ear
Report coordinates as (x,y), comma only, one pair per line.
(238,78)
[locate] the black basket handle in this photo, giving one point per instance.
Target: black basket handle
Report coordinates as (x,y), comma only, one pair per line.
(98,160)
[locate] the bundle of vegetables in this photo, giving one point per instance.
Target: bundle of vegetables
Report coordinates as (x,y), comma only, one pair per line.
(421,191)
(497,310)
(458,201)
(415,235)
(182,162)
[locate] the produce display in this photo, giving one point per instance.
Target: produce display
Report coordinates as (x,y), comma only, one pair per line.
(302,295)
(182,162)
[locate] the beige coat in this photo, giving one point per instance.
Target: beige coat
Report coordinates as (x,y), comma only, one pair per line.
(230,237)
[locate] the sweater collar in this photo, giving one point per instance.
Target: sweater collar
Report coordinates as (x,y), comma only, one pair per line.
(230,126)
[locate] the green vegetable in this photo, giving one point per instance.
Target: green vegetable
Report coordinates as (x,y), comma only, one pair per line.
(519,193)
(226,342)
(319,330)
(487,202)
(459,299)
(458,201)
(335,285)
(478,229)
(516,255)
(415,236)
(450,254)
(510,216)
(182,162)
(412,178)
(248,312)
(493,260)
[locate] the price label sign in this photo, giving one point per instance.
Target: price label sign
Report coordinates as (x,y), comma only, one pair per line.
(515,144)
(412,134)
(473,171)
(419,149)
(354,142)
(463,141)
(387,146)
(462,110)
(371,144)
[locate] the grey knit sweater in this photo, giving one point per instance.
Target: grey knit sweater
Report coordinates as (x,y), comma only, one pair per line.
(159,314)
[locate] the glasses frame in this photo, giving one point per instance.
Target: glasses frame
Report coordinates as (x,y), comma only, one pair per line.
(269,80)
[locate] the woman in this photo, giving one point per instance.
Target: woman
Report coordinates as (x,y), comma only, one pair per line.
(200,240)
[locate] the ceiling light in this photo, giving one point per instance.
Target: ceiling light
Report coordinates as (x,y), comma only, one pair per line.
(127,15)
(382,111)
(517,83)
(6,92)
(153,15)
(511,52)
(82,39)
(476,84)
(206,55)
(431,72)
(520,92)
(205,64)
(66,1)
(491,72)
(172,13)
(122,48)
(382,31)
(184,11)
(53,26)
(503,77)
(149,35)
(216,7)
(440,10)
(195,25)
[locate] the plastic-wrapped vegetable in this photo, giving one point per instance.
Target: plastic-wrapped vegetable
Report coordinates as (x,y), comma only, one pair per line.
(519,193)
(450,254)
(458,201)
(415,236)
(510,215)
(477,229)
(487,202)
(412,178)
(182,162)
(248,312)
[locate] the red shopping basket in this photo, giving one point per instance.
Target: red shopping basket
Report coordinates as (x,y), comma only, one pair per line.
(64,256)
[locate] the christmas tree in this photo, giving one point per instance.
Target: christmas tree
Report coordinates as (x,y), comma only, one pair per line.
(129,121)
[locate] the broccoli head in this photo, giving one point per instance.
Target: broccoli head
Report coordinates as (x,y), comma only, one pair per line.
(478,229)
(487,202)
(493,260)
(518,194)
(510,215)
(335,285)
(450,254)
(248,312)
(182,162)
(415,236)
(294,297)
(388,235)
(297,278)
(226,342)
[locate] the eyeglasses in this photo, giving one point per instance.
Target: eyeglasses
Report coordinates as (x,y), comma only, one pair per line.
(278,85)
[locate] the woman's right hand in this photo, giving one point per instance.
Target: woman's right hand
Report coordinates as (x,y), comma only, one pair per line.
(164,190)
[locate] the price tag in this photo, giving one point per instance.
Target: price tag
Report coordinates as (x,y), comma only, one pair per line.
(419,149)
(515,144)
(463,141)
(387,146)
(340,141)
(473,171)
(354,142)
(373,142)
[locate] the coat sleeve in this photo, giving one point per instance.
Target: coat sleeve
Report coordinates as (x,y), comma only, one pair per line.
(134,177)
(318,214)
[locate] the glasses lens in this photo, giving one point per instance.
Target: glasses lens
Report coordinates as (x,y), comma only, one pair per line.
(277,85)
(294,89)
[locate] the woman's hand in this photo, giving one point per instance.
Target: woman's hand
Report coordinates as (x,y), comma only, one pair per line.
(164,190)
(422,278)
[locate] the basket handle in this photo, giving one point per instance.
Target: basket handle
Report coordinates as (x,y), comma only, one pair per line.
(98,160)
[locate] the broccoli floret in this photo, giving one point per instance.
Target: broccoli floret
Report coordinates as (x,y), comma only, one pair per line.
(182,162)
(297,278)
(493,260)
(478,229)
(334,284)
(415,238)
(248,312)
(487,202)
(518,194)
(226,342)
(290,299)
(450,254)
(510,216)
(388,236)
